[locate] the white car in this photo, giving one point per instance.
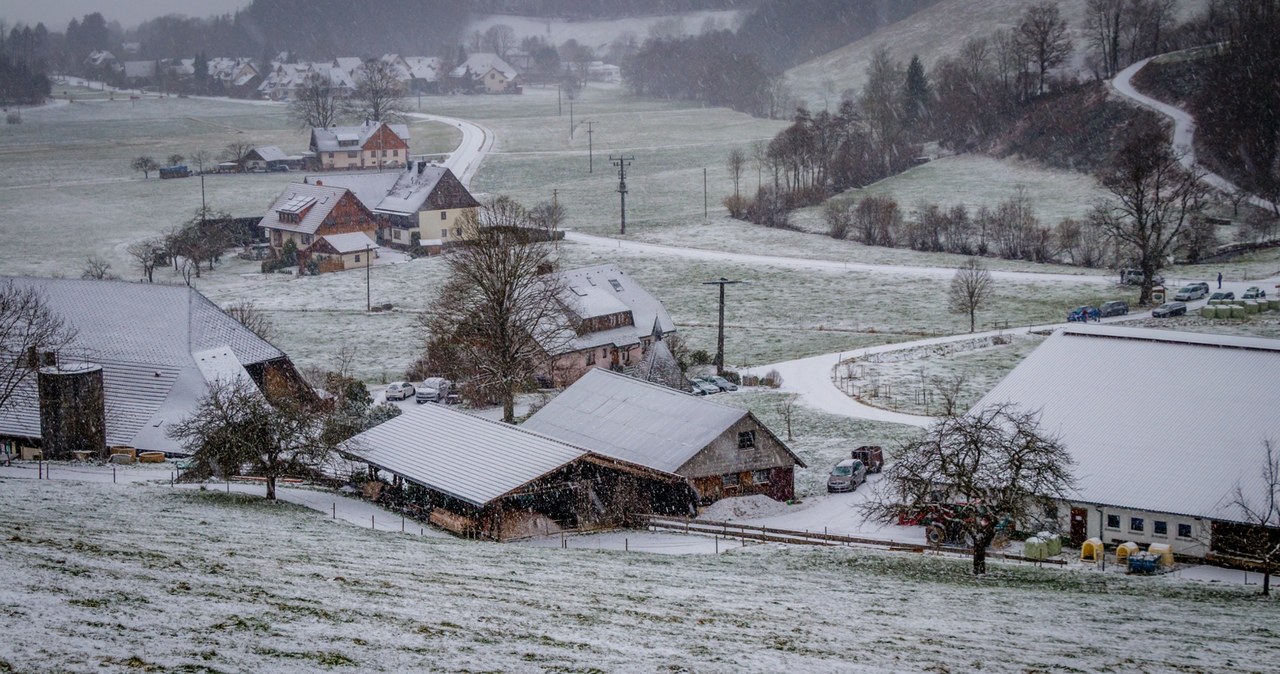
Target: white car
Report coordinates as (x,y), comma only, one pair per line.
(400,390)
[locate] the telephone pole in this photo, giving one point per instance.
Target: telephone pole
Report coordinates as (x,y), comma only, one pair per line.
(622,162)
(368,291)
(590,161)
(571,118)
(555,217)
(720,336)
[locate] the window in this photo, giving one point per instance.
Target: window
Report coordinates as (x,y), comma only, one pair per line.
(444,215)
(591,357)
(306,239)
(731,479)
(444,233)
(357,257)
(458,231)
(384,153)
(1113,521)
(1160,528)
(331,155)
(395,234)
(616,286)
(352,154)
(760,476)
(1135,524)
(1184,531)
(395,153)
(747,440)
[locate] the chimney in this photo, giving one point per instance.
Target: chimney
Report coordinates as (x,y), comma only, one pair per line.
(319,183)
(421,166)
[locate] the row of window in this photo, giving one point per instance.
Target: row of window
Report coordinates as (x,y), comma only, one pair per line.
(735,479)
(352,154)
(1158,527)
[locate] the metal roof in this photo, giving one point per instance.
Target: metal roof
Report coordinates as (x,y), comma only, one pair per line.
(326,139)
(352,242)
(470,458)
(1156,420)
(604,289)
(404,192)
(315,202)
(624,418)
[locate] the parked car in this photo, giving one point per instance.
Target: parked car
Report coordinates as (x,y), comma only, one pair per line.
(1083,315)
(278,168)
(1169,309)
(1135,277)
(1254,293)
(701,387)
(846,476)
(722,383)
(1193,291)
(1114,308)
(399,390)
(433,390)
(871,456)
(1222,295)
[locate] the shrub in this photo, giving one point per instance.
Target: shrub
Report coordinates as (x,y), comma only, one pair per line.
(699,357)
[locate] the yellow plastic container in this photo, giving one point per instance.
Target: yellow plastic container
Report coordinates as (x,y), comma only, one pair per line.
(1092,550)
(1124,550)
(1163,551)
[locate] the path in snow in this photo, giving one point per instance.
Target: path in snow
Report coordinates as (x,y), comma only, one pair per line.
(1184,129)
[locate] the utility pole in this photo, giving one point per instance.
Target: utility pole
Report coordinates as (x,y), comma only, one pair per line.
(622,162)
(590,161)
(368,292)
(555,211)
(559,104)
(720,337)
(570,118)
(704,194)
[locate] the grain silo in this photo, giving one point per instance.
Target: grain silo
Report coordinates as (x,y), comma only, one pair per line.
(72,410)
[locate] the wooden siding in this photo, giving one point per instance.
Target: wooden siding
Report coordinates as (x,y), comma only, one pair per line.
(722,457)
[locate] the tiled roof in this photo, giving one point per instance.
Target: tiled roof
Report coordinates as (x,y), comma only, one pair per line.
(315,201)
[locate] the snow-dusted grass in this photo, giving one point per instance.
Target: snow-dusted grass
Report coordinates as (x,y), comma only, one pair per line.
(142,578)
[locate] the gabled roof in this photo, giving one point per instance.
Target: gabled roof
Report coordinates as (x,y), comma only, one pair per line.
(314,202)
(481,64)
(1157,420)
(418,187)
(470,458)
(352,242)
(424,67)
(155,343)
(604,289)
(635,421)
(326,140)
(269,153)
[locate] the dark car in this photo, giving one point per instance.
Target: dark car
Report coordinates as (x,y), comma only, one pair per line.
(1254,293)
(1114,308)
(277,168)
(1222,295)
(1083,315)
(1169,309)
(846,476)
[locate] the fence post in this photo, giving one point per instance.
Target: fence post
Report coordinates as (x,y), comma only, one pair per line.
(626,545)
(335,510)
(113,475)
(371,523)
(717,544)
(402,524)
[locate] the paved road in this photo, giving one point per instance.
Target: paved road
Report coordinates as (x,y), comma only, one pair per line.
(477,142)
(1184,129)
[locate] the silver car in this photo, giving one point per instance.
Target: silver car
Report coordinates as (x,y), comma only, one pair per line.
(846,476)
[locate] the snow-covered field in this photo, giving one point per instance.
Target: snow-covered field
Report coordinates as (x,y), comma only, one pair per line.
(600,33)
(144,578)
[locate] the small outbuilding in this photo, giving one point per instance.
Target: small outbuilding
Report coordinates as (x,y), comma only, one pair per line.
(720,450)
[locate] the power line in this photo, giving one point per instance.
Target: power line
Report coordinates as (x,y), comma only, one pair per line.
(720,335)
(622,162)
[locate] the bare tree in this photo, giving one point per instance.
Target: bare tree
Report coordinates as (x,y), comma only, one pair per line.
(28,326)
(1102,25)
(1154,199)
(235,425)
(251,316)
(736,161)
(175,159)
(786,408)
(145,164)
(316,104)
(839,216)
(147,255)
(201,158)
(995,467)
(236,151)
(1259,507)
(548,216)
(378,92)
(500,39)
(97,268)
(971,288)
(1043,38)
(498,319)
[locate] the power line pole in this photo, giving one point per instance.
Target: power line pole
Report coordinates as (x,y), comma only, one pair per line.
(720,337)
(590,161)
(571,118)
(704,194)
(368,292)
(555,217)
(622,162)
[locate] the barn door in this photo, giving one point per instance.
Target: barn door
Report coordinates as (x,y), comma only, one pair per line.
(1079,526)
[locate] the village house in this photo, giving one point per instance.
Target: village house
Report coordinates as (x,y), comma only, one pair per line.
(424,74)
(142,357)
(721,451)
(305,212)
(1159,449)
(339,252)
(487,73)
(478,477)
(372,145)
(419,206)
(615,322)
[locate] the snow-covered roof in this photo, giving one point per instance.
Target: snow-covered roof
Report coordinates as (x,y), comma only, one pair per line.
(470,458)
(481,64)
(406,192)
(270,153)
(139,69)
(326,140)
(352,242)
(425,68)
(157,345)
(635,421)
(348,63)
(314,202)
(1157,420)
(604,289)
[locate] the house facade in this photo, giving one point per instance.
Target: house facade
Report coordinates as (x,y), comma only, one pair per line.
(422,205)
(487,73)
(339,252)
(720,451)
(1162,430)
(304,212)
(616,322)
(372,145)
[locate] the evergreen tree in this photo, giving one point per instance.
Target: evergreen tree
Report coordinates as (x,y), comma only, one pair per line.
(916,99)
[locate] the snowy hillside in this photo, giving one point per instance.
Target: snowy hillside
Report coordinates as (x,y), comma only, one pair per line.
(598,34)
